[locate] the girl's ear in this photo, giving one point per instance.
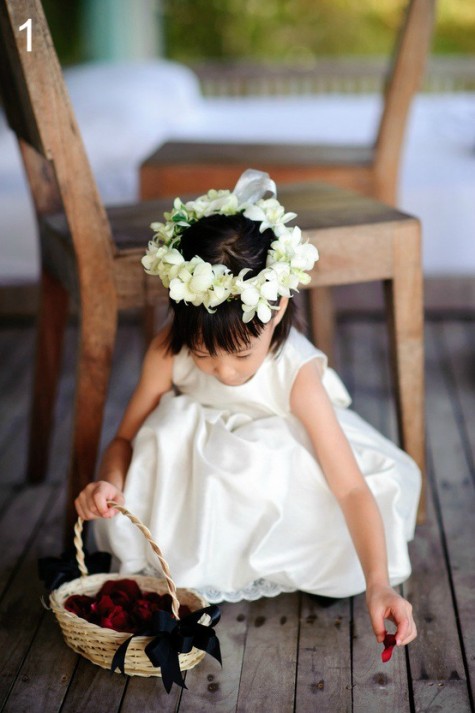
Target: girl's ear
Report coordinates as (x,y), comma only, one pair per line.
(284,301)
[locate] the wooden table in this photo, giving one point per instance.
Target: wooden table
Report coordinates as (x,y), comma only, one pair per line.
(360,240)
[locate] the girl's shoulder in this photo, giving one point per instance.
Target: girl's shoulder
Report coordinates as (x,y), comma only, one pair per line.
(298,350)
(158,361)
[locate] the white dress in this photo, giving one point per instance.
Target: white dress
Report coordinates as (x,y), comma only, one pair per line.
(226,479)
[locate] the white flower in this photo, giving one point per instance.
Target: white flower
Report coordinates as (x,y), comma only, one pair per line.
(250,296)
(285,278)
(262,309)
(152,260)
(269,212)
(178,290)
(304,257)
(222,202)
(202,278)
(163,231)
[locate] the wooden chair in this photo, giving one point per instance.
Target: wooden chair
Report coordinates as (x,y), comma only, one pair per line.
(188,166)
(86,253)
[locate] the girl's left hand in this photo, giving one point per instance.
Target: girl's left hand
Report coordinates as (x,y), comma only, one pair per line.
(384,603)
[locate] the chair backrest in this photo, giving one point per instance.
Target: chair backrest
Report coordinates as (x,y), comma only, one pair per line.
(39,111)
(404,79)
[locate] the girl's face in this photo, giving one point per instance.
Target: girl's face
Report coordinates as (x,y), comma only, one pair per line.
(235,368)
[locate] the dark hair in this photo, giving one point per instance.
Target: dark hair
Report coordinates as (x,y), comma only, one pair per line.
(234,241)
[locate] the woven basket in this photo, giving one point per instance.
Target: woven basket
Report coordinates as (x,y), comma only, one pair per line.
(98,644)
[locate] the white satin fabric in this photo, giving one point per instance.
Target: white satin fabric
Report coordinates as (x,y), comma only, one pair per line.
(226,480)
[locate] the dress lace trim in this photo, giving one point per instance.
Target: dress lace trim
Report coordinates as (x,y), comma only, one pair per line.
(255,590)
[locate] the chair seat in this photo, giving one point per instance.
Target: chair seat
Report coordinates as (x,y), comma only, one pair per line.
(272,154)
(130,223)
(318,206)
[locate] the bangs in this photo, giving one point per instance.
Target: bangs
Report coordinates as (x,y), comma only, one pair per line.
(224,330)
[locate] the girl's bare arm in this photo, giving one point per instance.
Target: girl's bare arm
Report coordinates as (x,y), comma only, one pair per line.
(155,380)
(312,406)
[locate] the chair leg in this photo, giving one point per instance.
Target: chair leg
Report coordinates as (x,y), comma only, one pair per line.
(52,318)
(96,345)
(322,319)
(404,304)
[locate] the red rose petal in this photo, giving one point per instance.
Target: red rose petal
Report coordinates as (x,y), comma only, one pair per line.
(143,610)
(122,591)
(80,604)
(389,644)
(119,620)
(103,605)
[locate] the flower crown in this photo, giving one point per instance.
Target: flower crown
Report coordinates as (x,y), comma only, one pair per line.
(199,283)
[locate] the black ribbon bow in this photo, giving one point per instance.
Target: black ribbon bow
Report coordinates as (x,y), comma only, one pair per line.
(55,571)
(173,637)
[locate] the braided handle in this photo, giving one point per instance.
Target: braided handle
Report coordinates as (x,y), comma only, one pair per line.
(78,543)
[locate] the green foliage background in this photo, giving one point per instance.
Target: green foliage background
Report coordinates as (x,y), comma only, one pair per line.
(276,30)
(299,30)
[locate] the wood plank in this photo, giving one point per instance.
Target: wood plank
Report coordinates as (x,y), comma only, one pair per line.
(441,696)
(13,454)
(21,611)
(18,525)
(270,657)
(44,677)
(94,689)
(61,438)
(16,352)
(7,495)
(16,347)
(14,451)
(365,369)
(458,346)
(148,695)
(211,687)
(452,460)
(324,663)
(435,657)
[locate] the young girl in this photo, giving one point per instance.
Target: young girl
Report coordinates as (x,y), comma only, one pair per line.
(237,448)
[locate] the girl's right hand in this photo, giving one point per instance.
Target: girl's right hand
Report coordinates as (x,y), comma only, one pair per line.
(91,502)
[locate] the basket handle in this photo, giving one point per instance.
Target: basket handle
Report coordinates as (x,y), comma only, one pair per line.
(78,543)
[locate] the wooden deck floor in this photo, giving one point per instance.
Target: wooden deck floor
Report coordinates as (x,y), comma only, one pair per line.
(280,655)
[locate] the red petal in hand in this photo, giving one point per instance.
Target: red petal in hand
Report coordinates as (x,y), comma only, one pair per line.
(389,644)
